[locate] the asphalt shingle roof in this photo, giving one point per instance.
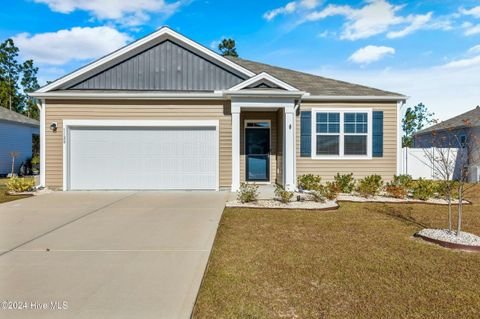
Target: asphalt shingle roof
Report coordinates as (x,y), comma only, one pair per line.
(7,115)
(470,119)
(313,84)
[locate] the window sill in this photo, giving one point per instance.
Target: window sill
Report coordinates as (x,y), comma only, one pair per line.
(342,158)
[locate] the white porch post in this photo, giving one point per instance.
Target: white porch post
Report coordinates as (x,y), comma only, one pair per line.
(235,147)
(41,106)
(289,148)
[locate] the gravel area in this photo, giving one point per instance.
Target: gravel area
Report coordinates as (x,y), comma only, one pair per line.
(271,203)
(382,199)
(444,235)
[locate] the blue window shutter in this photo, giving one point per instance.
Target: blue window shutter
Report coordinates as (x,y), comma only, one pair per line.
(305,134)
(377,134)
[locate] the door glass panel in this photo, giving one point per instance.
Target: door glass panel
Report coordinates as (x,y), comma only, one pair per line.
(257,153)
(257,168)
(257,141)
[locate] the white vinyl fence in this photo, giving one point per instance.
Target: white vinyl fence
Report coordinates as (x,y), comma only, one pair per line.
(418,163)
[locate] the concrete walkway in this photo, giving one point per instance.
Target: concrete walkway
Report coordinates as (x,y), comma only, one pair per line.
(106,254)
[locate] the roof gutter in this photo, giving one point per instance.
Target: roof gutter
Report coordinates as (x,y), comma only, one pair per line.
(395,98)
(127,96)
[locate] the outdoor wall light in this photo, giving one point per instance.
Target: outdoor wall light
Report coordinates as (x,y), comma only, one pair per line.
(53,126)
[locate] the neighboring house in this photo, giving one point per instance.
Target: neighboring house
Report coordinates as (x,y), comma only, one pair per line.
(461,131)
(167,113)
(16,133)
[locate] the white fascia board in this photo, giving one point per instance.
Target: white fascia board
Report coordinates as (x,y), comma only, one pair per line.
(163,32)
(353,98)
(127,95)
(263,76)
(264,93)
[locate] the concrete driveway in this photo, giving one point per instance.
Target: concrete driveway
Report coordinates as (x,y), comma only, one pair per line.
(106,254)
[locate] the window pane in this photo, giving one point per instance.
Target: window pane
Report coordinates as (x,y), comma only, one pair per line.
(355,145)
(349,128)
(334,117)
(361,117)
(328,145)
(322,117)
(333,128)
(322,128)
(349,117)
(361,128)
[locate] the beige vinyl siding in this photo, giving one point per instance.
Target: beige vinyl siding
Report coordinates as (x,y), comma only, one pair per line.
(59,110)
(385,166)
(272,116)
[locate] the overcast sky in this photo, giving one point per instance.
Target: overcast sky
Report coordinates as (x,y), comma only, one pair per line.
(428,50)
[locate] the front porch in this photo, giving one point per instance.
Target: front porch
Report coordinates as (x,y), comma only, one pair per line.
(263,141)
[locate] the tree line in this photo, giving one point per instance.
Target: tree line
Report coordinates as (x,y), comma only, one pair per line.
(17,79)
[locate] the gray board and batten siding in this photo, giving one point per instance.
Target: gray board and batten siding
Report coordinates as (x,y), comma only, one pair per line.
(166,66)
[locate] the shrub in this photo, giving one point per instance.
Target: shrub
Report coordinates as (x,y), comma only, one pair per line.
(18,185)
(345,182)
(397,191)
(309,182)
(441,188)
(370,185)
(247,193)
(331,190)
(423,189)
(284,195)
(319,194)
(403,180)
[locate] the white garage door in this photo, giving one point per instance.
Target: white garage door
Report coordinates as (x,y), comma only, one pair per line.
(142,158)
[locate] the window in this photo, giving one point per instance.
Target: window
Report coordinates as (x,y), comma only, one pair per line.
(341,133)
(463,141)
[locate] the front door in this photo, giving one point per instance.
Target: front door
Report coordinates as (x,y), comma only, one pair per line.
(257,151)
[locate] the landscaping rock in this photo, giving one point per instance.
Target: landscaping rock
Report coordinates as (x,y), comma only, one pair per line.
(444,235)
(272,203)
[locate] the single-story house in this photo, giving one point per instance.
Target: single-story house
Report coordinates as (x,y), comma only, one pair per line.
(16,135)
(167,113)
(462,132)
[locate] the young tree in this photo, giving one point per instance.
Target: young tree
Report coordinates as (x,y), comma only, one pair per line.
(415,118)
(227,48)
(9,75)
(29,84)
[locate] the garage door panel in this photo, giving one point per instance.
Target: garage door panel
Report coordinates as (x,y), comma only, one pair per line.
(143,158)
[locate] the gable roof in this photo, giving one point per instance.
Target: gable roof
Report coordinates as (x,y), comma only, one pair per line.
(313,84)
(164,33)
(472,116)
(12,116)
(128,73)
(265,79)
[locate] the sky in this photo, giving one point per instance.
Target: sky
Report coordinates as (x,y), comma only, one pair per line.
(428,50)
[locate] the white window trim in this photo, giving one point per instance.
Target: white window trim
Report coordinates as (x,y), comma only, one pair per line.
(68,124)
(342,111)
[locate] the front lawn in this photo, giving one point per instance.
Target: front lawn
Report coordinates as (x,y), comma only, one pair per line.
(4,197)
(359,261)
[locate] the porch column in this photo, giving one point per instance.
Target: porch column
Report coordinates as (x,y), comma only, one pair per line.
(235,147)
(289,148)
(41,106)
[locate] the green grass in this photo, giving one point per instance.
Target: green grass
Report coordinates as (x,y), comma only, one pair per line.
(4,197)
(359,261)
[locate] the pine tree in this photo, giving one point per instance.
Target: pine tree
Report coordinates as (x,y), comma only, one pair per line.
(9,75)
(227,48)
(29,84)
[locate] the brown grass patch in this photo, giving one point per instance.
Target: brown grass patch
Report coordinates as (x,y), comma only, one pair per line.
(359,261)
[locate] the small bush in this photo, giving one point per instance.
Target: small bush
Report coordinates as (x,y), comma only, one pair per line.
(284,195)
(331,190)
(397,191)
(18,185)
(423,189)
(319,195)
(403,180)
(370,185)
(247,193)
(345,182)
(441,188)
(309,182)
